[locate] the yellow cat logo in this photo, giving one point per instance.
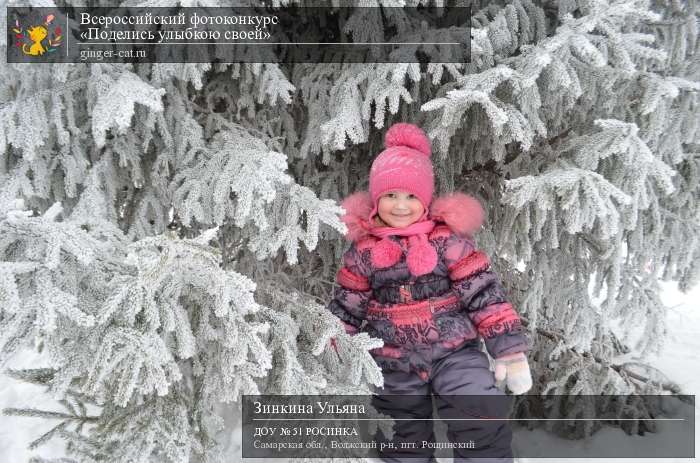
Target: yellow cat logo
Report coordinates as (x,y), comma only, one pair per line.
(35,37)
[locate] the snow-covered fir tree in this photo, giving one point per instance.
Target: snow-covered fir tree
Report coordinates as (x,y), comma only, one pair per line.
(169,233)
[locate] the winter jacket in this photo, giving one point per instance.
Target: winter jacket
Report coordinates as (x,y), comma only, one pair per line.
(425,318)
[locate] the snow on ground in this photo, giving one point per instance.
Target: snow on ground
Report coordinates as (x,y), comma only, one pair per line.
(17,432)
(678,360)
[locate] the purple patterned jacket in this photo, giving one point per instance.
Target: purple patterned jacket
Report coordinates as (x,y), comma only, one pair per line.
(427,317)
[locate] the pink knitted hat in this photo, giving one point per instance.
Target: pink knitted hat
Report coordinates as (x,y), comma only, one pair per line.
(404,165)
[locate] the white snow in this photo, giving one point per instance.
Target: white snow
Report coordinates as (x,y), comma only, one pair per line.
(17,432)
(678,360)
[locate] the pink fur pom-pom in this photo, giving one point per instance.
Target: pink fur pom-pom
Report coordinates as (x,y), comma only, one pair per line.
(421,259)
(462,213)
(385,253)
(410,135)
(357,208)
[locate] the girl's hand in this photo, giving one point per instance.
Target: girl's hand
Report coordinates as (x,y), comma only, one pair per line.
(515,370)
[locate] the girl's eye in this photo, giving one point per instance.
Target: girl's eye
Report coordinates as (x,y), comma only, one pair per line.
(411,196)
(391,195)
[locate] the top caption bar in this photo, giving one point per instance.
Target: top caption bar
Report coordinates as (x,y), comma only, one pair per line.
(239,34)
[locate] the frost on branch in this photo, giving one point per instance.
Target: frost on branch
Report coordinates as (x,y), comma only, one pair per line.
(116,101)
(122,332)
(581,199)
(238,178)
(171,432)
(300,343)
(35,249)
(302,214)
(234,177)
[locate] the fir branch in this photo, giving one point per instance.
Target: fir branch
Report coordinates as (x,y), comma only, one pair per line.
(39,376)
(35,413)
(39,459)
(47,435)
(668,386)
(58,90)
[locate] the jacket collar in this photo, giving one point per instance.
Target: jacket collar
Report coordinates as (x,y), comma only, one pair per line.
(462,213)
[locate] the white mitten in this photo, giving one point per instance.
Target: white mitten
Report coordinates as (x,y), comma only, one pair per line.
(516,371)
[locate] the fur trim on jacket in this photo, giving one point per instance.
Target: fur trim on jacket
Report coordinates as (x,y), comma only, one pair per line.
(462,213)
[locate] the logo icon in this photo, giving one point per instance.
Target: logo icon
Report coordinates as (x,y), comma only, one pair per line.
(33,41)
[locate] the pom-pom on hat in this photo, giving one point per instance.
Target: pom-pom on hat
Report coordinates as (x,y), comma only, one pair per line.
(404,165)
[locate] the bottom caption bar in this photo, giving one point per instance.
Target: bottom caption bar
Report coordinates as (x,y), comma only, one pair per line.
(410,426)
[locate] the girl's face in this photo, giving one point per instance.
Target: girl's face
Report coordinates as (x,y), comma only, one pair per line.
(399,208)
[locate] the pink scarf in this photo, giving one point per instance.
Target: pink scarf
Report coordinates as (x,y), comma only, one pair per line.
(421,257)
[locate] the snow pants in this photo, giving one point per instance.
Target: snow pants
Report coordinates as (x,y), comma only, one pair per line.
(408,398)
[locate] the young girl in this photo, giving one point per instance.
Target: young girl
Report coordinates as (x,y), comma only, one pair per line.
(413,277)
